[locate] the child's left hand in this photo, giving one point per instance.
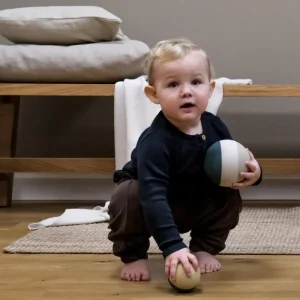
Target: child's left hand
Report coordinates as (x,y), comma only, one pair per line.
(251,176)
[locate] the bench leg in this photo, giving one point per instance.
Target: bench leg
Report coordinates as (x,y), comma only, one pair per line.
(9,115)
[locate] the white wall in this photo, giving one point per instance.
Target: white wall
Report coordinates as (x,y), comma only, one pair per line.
(255,39)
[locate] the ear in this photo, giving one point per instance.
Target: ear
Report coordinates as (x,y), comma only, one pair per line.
(212,87)
(151,93)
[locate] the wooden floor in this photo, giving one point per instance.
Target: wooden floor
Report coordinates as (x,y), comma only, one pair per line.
(90,277)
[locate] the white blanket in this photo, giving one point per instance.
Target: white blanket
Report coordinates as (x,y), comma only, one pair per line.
(134,112)
(75,216)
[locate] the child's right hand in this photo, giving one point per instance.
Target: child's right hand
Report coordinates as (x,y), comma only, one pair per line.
(183,256)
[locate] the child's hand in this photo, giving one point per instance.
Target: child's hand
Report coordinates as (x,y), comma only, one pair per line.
(183,256)
(251,176)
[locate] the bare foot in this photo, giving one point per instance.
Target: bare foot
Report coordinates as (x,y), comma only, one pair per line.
(207,262)
(136,271)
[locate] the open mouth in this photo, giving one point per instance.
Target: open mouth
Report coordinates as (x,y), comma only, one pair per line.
(187,105)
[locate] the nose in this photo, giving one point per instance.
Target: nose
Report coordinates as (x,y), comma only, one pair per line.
(186,91)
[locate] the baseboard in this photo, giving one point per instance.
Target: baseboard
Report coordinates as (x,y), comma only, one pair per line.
(62,187)
(98,187)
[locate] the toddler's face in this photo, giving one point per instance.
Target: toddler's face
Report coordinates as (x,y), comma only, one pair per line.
(183,87)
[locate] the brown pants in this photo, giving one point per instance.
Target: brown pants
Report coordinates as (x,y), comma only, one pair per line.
(209,225)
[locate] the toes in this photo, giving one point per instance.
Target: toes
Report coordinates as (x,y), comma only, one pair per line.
(145,276)
(124,276)
(202,269)
(140,276)
(213,267)
(135,276)
(205,268)
(217,266)
(209,268)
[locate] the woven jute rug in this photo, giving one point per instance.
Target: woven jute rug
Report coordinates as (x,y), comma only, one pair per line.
(260,231)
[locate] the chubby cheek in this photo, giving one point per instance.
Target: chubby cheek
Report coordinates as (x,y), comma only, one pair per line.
(204,90)
(202,104)
(168,96)
(203,96)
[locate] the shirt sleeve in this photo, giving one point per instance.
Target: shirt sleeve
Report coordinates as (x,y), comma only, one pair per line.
(154,164)
(222,126)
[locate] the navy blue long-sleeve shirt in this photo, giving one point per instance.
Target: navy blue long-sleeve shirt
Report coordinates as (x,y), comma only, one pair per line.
(168,165)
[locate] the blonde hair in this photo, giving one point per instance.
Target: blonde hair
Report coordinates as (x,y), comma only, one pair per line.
(173,49)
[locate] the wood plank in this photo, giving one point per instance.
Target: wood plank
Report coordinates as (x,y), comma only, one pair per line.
(9,110)
(279,166)
(6,127)
(82,165)
(44,89)
(6,184)
(107,165)
(262,90)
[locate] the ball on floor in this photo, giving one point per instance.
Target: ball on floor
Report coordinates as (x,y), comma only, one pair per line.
(183,283)
(224,161)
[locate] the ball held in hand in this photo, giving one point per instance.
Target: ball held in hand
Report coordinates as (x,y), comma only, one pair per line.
(224,161)
(184,283)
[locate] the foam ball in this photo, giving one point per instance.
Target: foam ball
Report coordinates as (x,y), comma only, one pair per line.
(183,283)
(224,161)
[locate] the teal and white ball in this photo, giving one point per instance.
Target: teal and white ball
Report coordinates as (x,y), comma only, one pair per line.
(224,161)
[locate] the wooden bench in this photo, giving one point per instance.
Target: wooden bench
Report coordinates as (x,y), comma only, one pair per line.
(9,109)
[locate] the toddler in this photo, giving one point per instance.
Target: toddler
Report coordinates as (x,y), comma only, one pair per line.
(163,190)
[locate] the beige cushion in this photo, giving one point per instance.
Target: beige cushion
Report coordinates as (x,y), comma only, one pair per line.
(104,62)
(58,25)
